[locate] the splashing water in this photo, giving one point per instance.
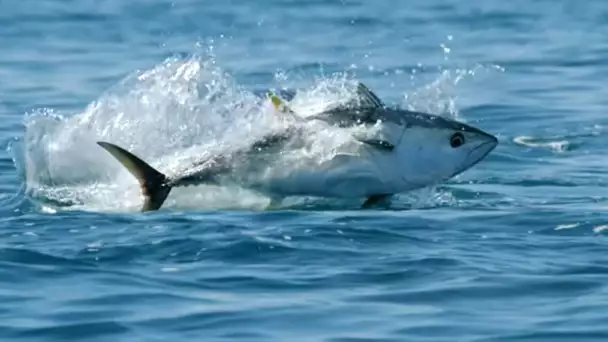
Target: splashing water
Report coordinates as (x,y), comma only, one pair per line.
(181,109)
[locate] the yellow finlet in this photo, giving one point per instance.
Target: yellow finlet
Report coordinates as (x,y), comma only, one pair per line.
(276,101)
(281,107)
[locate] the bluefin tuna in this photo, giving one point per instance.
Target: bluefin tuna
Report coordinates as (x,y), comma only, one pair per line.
(392,151)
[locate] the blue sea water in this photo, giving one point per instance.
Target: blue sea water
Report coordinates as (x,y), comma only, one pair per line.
(512,250)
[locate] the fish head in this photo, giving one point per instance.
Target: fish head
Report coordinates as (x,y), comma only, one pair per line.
(433,149)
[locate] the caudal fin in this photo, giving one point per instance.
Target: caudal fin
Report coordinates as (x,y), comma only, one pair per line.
(153,184)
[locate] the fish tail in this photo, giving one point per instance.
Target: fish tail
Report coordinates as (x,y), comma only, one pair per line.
(154,185)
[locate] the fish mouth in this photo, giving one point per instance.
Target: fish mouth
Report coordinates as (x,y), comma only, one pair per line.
(478,154)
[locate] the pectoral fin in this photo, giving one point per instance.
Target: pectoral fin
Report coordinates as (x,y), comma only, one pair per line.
(378,143)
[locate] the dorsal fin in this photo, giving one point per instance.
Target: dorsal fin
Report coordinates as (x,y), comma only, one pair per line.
(367,97)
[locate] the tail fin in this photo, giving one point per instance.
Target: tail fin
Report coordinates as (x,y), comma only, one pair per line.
(153,184)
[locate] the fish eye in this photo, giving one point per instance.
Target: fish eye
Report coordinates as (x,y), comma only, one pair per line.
(456,140)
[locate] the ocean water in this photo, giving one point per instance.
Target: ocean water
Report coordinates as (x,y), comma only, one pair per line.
(512,250)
